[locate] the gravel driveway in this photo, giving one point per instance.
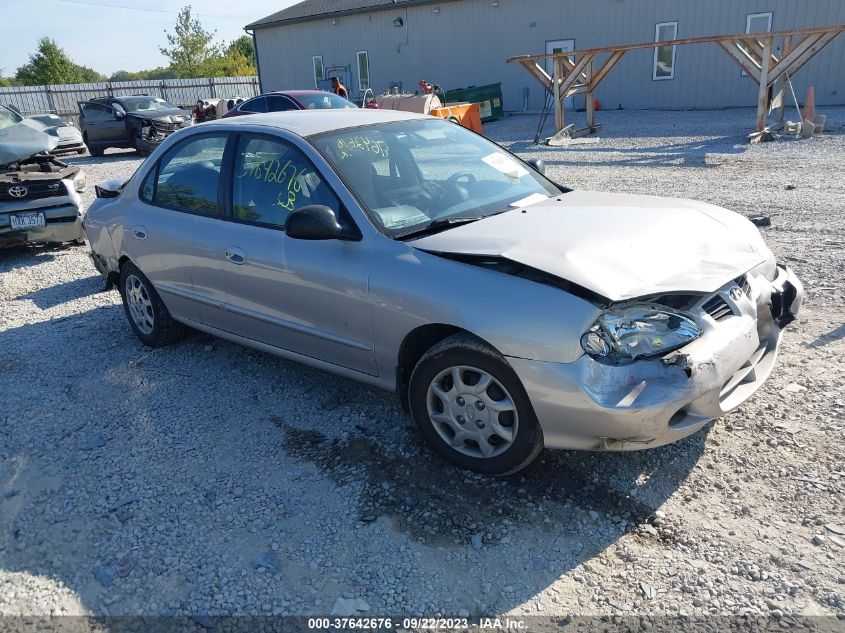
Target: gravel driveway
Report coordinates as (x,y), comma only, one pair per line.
(206,478)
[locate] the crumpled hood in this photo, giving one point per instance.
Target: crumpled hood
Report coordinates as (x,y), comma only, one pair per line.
(22,140)
(620,246)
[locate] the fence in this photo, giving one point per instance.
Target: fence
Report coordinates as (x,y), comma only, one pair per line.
(62,99)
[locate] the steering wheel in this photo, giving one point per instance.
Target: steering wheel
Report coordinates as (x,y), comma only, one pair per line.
(452,181)
(453,191)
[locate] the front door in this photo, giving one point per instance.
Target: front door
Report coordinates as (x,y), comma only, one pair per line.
(101,123)
(308,297)
(559,46)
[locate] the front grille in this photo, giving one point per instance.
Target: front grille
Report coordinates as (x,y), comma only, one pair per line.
(33,190)
(718,308)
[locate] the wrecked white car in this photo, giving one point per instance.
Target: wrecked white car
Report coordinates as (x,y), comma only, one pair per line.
(508,312)
(39,194)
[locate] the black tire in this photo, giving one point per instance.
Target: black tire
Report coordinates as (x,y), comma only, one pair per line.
(165,330)
(464,350)
(144,148)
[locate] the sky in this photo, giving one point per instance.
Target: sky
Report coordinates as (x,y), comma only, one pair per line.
(110,35)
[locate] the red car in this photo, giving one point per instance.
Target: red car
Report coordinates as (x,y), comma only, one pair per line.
(291,100)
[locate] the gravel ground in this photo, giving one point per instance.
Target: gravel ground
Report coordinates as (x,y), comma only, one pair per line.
(206,478)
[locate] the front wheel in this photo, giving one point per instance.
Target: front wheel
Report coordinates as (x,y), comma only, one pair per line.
(471,408)
(148,316)
(142,146)
(92,149)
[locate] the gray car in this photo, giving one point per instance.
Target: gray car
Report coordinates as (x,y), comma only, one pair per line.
(508,312)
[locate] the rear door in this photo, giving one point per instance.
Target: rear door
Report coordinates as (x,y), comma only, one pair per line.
(308,297)
(173,235)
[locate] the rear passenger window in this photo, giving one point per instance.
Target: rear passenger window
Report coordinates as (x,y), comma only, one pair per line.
(189,175)
(272,178)
(259,104)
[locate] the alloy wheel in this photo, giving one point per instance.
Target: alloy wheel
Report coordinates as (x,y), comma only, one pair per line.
(139,304)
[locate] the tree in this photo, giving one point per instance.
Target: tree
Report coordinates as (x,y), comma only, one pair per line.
(49,64)
(244,46)
(191,47)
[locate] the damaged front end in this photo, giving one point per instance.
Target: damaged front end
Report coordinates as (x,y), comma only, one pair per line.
(151,132)
(39,194)
(657,369)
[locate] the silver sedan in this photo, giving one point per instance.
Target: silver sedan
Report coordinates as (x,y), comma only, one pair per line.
(507,311)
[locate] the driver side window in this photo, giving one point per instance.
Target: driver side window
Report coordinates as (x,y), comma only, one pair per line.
(95,113)
(272,178)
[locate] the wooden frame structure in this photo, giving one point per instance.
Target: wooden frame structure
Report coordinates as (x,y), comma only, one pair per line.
(579,72)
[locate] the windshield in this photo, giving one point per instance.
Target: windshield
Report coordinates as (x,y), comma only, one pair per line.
(8,117)
(323,101)
(410,173)
(50,119)
(145,104)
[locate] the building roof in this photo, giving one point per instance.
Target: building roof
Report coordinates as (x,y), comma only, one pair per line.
(309,10)
(309,122)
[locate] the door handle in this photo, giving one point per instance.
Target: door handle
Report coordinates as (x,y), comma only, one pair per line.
(139,232)
(235,255)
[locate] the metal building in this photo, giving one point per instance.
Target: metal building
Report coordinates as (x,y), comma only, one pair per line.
(458,43)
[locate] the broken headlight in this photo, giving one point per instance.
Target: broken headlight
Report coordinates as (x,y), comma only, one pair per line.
(80,182)
(767,269)
(638,331)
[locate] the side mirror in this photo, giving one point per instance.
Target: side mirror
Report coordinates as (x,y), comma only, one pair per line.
(313,222)
(537,164)
(109,189)
(118,114)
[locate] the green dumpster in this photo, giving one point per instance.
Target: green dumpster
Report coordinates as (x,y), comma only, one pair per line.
(488,98)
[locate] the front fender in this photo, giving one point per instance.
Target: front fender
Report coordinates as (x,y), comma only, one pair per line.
(520,318)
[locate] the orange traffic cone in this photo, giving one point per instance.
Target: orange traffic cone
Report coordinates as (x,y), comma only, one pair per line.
(809,112)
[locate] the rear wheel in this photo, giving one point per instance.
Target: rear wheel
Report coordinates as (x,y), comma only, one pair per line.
(148,316)
(471,408)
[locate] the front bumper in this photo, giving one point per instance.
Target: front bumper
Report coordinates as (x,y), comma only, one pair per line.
(69,147)
(62,216)
(648,403)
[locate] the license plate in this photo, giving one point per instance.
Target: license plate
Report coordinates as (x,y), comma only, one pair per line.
(24,221)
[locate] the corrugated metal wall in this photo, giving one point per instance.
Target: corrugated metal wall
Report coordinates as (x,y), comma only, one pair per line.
(466,42)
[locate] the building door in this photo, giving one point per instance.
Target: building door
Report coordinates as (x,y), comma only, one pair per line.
(559,46)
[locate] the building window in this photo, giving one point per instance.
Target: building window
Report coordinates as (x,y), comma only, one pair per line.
(664,56)
(317,62)
(757,23)
(363,71)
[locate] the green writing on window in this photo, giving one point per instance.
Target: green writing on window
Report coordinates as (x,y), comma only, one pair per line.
(357,144)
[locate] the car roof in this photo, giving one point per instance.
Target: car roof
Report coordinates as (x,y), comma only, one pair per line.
(310,122)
